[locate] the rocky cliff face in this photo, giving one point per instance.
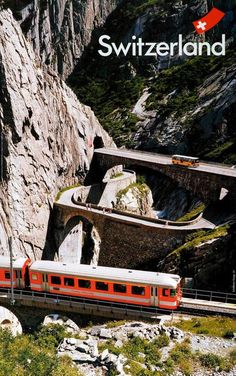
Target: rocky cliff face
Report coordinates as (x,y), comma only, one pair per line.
(60,29)
(137,199)
(47,140)
(210,263)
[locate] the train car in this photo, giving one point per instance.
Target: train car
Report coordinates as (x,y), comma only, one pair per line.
(184,160)
(20,269)
(103,283)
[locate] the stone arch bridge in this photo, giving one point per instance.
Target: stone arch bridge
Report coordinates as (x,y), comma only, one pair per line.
(125,238)
(205,181)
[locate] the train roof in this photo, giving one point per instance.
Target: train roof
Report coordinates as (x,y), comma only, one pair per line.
(103,272)
(17,263)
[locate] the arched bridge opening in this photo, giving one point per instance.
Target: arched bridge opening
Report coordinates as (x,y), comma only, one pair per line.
(79,242)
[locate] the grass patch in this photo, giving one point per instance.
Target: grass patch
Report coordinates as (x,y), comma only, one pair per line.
(134,346)
(194,213)
(199,237)
(58,196)
(117,175)
(142,188)
(115,324)
(211,326)
(182,357)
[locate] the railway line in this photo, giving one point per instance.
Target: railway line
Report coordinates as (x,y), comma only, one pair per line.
(62,303)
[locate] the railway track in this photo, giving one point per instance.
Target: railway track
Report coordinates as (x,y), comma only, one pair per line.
(63,303)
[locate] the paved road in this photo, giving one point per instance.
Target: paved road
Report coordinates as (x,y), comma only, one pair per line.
(66,202)
(160,159)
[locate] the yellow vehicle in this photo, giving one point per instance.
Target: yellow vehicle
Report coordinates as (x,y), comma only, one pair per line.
(184,160)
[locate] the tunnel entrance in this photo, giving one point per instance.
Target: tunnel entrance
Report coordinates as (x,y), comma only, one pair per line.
(98,142)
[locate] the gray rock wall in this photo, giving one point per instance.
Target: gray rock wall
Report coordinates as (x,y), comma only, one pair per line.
(47,140)
(60,29)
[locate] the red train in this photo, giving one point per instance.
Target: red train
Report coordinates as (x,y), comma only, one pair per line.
(95,282)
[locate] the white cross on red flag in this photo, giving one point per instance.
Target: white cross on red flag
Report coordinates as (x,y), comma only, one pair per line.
(209,21)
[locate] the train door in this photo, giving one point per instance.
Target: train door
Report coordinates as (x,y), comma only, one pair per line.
(27,277)
(19,281)
(154,297)
(45,282)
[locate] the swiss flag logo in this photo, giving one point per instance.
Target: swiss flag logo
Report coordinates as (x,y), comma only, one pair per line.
(209,21)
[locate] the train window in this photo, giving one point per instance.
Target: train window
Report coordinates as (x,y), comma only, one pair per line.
(34,277)
(102,286)
(84,283)
(55,280)
(172,292)
(7,275)
(69,282)
(119,288)
(137,290)
(165,292)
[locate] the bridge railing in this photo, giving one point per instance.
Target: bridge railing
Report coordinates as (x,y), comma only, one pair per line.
(96,307)
(216,296)
(163,222)
(84,303)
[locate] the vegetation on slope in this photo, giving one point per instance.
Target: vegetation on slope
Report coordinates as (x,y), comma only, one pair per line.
(58,196)
(112,86)
(34,354)
(212,326)
(143,354)
(194,213)
(142,188)
(200,237)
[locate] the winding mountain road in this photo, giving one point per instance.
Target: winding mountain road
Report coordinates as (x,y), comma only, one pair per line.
(66,201)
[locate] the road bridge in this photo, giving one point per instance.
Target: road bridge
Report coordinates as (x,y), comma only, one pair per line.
(67,201)
(205,181)
(125,238)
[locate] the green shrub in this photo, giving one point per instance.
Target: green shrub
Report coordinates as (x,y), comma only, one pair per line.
(232,356)
(202,331)
(210,360)
(228,334)
(161,341)
(180,352)
(141,179)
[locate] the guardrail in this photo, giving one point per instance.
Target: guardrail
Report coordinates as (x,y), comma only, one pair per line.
(137,216)
(215,296)
(82,305)
(97,307)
